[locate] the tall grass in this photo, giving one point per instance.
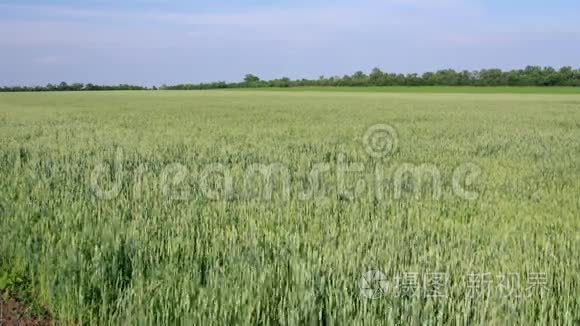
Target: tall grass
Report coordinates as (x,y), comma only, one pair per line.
(144,258)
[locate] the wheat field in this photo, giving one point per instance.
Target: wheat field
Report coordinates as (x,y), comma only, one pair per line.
(284,208)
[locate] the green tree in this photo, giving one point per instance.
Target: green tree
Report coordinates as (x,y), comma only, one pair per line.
(249,78)
(376,76)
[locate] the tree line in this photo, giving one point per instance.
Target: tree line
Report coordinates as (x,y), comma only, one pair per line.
(63,86)
(530,76)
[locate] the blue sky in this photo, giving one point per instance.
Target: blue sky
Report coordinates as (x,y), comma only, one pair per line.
(151,42)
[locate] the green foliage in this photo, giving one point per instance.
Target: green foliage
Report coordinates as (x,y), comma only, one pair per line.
(251,78)
(427,89)
(141,258)
(15,284)
(63,86)
(10,280)
(530,76)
